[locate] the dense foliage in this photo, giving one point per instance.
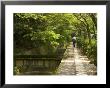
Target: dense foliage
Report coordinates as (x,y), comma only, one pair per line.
(87,32)
(46,32)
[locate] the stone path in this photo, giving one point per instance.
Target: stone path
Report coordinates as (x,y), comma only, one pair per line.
(75,64)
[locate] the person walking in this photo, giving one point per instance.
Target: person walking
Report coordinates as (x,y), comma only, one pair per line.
(74,41)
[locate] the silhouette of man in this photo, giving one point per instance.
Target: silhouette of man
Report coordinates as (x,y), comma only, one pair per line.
(74,41)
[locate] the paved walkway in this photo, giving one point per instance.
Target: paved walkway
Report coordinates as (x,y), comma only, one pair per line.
(75,64)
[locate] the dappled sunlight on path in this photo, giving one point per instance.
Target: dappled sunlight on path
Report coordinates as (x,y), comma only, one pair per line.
(75,64)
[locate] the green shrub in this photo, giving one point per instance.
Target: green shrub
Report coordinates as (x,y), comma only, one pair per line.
(88,49)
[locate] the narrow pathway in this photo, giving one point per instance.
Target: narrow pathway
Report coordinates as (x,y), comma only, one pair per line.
(75,64)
